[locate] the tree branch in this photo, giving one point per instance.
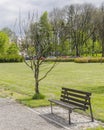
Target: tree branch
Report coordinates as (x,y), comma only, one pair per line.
(47,72)
(30,66)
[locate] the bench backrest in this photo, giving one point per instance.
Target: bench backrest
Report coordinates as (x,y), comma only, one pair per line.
(78,98)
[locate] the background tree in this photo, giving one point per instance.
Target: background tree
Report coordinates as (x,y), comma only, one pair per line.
(12,49)
(80,26)
(12,35)
(57,21)
(100,27)
(46,30)
(4,40)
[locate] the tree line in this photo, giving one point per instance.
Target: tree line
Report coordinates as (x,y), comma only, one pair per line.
(79,29)
(74,30)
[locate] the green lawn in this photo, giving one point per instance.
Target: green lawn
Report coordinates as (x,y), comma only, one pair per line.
(16,81)
(98,128)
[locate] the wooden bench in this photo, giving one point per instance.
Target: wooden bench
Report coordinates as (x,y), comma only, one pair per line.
(72,99)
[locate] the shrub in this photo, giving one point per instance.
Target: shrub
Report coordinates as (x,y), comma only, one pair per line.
(81,60)
(96,60)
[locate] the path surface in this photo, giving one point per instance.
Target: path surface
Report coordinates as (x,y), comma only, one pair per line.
(14,116)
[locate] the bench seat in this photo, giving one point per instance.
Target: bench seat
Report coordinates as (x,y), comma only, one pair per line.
(66,105)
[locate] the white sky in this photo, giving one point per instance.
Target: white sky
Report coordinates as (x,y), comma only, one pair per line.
(9,9)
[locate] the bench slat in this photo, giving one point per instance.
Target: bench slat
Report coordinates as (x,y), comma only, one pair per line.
(77,91)
(74,99)
(76,95)
(74,103)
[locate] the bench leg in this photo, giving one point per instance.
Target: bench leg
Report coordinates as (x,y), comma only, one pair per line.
(51,108)
(92,118)
(70,116)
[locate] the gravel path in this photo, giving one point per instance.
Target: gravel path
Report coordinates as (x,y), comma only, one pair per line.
(14,116)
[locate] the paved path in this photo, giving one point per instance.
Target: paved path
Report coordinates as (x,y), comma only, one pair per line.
(14,116)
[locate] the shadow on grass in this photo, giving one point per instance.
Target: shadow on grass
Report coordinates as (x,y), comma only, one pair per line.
(96,90)
(30,102)
(24,101)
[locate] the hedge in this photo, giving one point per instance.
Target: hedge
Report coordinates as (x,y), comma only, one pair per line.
(89,60)
(78,60)
(59,60)
(11,58)
(18,58)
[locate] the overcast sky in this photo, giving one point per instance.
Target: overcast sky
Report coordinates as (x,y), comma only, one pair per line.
(9,9)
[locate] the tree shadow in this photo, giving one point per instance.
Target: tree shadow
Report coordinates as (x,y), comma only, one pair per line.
(96,90)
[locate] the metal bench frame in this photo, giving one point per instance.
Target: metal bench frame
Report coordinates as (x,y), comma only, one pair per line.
(72,99)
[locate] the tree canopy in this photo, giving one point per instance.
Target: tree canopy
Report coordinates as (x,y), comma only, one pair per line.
(7,47)
(3,42)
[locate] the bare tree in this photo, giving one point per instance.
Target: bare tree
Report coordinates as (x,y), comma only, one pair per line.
(35,42)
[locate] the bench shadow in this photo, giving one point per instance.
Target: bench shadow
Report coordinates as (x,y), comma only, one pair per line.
(55,120)
(60,121)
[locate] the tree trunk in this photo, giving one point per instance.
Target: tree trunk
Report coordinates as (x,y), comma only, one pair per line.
(36,76)
(36,87)
(77,51)
(93,49)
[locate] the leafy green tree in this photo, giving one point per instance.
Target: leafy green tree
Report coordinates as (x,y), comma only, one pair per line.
(44,22)
(46,31)
(100,27)
(79,22)
(12,49)
(8,31)
(4,40)
(63,48)
(10,34)
(60,30)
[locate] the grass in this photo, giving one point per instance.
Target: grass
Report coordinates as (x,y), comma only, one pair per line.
(98,128)
(16,81)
